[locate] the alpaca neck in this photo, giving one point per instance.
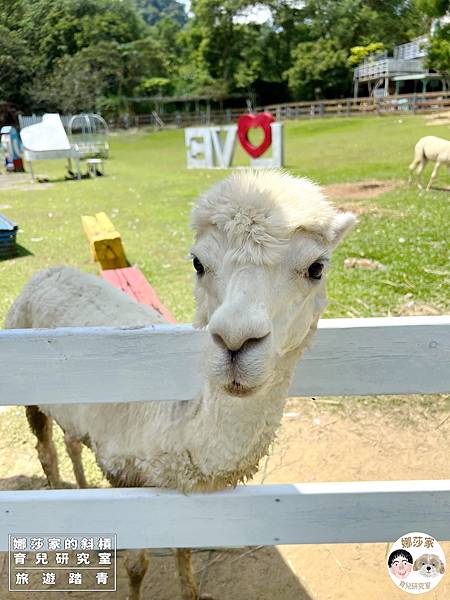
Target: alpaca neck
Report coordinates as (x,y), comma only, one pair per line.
(229,435)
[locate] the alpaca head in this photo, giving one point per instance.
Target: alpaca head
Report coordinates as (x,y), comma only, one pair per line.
(262,250)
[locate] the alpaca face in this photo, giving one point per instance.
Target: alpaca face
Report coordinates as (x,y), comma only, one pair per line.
(260,273)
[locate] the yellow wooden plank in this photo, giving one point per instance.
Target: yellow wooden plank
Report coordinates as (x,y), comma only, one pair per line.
(105,242)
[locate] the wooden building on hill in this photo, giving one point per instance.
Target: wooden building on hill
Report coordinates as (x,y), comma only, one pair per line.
(403,73)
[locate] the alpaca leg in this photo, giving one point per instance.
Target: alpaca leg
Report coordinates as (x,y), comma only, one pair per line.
(419,173)
(74,449)
(412,167)
(42,427)
(187,579)
(433,175)
(136,564)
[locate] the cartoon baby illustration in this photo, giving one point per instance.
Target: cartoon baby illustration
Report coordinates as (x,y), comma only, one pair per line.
(429,565)
(400,563)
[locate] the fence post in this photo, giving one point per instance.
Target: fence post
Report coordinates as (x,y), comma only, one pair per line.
(349,107)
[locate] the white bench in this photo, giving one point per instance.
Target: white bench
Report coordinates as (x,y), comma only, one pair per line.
(350,357)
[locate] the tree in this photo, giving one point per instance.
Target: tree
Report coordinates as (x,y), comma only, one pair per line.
(146,68)
(153,11)
(81,81)
(434,8)
(359,53)
(57,28)
(15,65)
(319,70)
(438,56)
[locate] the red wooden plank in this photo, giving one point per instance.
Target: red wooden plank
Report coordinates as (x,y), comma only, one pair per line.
(131,281)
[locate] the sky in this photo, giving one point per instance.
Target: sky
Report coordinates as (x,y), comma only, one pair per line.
(257,13)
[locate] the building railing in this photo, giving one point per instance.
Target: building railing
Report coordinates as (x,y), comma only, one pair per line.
(388,67)
(415,49)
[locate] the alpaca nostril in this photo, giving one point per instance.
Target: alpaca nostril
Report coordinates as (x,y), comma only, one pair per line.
(218,339)
(254,341)
(235,347)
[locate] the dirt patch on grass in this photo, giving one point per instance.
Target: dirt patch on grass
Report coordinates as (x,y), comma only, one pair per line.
(370,188)
(441,118)
(20,182)
(414,308)
(329,439)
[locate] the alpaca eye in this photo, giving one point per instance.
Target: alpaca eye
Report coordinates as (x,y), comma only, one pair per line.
(315,270)
(198,266)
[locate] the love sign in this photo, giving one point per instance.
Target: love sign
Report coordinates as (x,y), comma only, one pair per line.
(214,147)
(245,123)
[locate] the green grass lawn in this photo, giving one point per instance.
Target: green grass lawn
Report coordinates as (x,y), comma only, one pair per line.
(148,193)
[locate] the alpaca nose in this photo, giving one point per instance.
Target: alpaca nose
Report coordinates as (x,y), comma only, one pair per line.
(235,346)
(233,330)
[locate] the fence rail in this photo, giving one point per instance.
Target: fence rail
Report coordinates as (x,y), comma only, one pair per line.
(346,107)
(311,513)
(426,102)
(350,356)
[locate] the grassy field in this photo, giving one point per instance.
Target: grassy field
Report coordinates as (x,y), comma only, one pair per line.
(149,193)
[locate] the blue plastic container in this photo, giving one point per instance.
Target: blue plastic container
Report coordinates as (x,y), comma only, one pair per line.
(8,232)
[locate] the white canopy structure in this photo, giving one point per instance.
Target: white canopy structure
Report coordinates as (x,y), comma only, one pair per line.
(89,131)
(48,140)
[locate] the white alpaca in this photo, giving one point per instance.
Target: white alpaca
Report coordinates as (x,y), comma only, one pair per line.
(263,246)
(428,148)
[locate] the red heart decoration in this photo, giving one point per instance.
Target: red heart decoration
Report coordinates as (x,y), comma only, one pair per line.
(245,122)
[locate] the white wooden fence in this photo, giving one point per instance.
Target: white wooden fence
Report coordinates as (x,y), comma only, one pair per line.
(349,357)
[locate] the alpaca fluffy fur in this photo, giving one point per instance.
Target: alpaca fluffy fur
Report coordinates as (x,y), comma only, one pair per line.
(162,444)
(431,148)
(219,438)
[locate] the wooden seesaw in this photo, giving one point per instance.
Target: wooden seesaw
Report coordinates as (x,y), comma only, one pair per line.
(107,249)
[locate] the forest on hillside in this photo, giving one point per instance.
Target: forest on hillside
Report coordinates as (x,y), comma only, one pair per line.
(119,55)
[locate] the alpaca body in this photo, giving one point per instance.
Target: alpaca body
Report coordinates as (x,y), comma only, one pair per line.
(430,148)
(196,445)
(263,243)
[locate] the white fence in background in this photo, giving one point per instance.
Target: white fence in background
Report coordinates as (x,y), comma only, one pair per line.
(349,357)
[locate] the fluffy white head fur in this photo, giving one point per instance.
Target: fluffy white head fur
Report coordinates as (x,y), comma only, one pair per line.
(257,236)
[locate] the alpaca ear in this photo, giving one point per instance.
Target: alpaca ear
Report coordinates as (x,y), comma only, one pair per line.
(343,222)
(416,565)
(442,569)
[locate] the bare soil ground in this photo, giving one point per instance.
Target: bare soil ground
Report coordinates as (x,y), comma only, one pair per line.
(20,182)
(320,440)
(441,118)
(369,188)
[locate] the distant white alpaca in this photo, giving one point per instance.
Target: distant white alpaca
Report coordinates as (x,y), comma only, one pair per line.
(428,148)
(263,247)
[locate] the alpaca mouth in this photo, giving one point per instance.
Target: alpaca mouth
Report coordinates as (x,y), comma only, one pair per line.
(238,389)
